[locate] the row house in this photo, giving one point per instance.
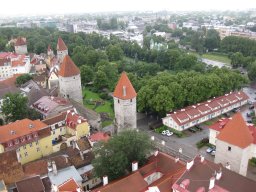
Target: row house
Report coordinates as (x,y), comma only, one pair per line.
(66,129)
(190,116)
(11,63)
(30,139)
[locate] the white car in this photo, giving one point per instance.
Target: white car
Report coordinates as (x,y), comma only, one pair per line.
(164,132)
(169,134)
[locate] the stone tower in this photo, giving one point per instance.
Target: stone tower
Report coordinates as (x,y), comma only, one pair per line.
(50,52)
(125,104)
(21,46)
(62,50)
(70,80)
(233,145)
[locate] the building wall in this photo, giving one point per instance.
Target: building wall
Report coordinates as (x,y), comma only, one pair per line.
(21,49)
(1,148)
(53,80)
(212,136)
(89,184)
(82,130)
(236,157)
(70,87)
(125,113)
(6,71)
(61,55)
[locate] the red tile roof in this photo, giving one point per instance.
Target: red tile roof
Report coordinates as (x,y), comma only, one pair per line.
(68,186)
(19,128)
(61,46)
(206,108)
(99,136)
(68,68)
(20,41)
(236,132)
(124,89)
(199,177)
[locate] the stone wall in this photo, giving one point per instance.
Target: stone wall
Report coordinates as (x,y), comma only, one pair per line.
(22,49)
(70,87)
(125,113)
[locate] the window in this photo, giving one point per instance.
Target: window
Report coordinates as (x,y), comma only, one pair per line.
(53,132)
(60,129)
(229,148)
(36,142)
(35,135)
(26,154)
(130,100)
(23,139)
(10,144)
(37,149)
(24,147)
(30,144)
(17,141)
(118,101)
(29,137)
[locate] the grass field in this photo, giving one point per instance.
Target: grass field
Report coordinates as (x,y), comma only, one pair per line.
(106,107)
(217,57)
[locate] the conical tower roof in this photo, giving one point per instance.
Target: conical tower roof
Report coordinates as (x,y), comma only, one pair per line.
(236,132)
(68,68)
(61,46)
(20,41)
(124,89)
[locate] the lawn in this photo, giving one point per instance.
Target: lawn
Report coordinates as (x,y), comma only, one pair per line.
(217,57)
(92,96)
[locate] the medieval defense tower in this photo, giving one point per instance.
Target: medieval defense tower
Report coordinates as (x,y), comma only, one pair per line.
(125,104)
(62,50)
(70,80)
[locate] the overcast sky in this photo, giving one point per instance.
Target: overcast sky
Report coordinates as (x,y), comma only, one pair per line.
(35,7)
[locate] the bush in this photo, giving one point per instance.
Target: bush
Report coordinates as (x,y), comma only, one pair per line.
(252,162)
(203,142)
(104,96)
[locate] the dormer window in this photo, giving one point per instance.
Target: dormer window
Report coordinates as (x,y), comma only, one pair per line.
(23,139)
(35,135)
(29,137)
(17,141)
(10,144)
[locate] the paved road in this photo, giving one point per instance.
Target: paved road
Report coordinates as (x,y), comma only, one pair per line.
(187,144)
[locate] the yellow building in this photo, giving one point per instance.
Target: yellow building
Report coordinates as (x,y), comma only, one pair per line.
(66,129)
(30,139)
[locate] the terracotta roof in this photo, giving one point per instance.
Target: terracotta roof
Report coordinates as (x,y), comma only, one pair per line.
(135,182)
(236,132)
(206,108)
(199,177)
(9,86)
(33,184)
(40,167)
(20,128)
(124,89)
(55,119)
(73,119)
(69,185)
(61,46)
(84,144)
(68,68)
(20,41)
(4,61)
(99,136)
(10,169)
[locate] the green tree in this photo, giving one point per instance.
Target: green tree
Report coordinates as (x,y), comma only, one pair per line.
(87,74)
(212,40)
(14,107)
(23,79)
(114,52)
(100,80)
(115,157)
(252,72)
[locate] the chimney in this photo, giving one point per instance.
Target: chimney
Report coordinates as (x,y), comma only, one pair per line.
(78,189)
(54,168)
(190,164)
(49,164)
(177,159)
(55,188)
(124,91)
(219,174)
(134,166)
(105,180)
(212,183)
(81,155)
(156,153)
(227,166)
(201,158)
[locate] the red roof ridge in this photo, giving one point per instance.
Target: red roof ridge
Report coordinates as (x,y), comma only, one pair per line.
(68,68)
(20,41)
(61,46)
(236,132)
(124,89)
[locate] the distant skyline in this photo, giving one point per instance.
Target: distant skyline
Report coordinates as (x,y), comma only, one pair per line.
(36,7)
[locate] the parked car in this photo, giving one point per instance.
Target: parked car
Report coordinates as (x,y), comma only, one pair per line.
(164,132)
(193,130)
(236,110)
(248,114)
(251,107)
(169,134)
(213,152)
(249,121)
(210,149)
(199,127)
